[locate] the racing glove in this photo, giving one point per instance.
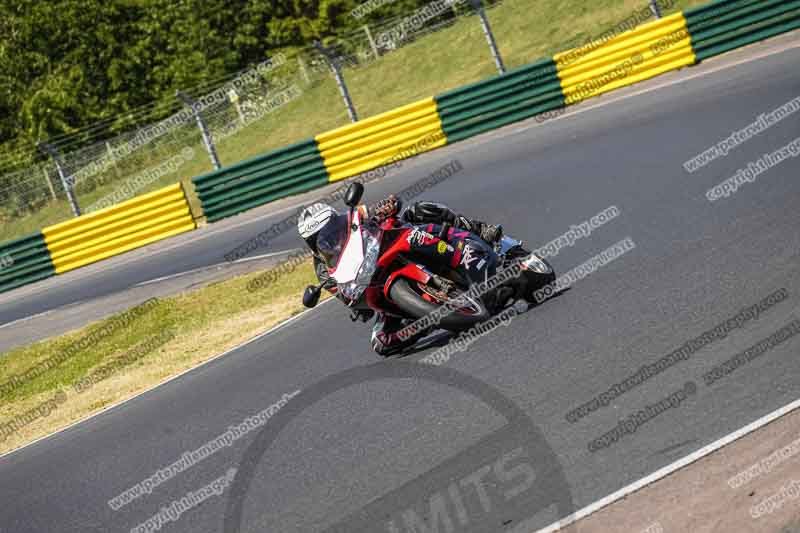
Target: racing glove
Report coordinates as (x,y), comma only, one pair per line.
(388,207)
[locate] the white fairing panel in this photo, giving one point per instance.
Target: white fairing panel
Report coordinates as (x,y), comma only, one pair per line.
(352,255)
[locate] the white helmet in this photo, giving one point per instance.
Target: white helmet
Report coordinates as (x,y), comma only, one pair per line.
(313,218)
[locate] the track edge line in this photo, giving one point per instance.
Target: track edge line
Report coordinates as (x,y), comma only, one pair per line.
(671,468)
(242,344)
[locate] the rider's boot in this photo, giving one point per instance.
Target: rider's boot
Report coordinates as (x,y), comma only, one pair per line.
(385,339)
(488,232)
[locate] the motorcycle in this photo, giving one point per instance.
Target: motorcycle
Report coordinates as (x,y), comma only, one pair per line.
(412,271)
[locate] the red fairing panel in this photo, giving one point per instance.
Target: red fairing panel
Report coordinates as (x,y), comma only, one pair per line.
(411,271)
(399,246)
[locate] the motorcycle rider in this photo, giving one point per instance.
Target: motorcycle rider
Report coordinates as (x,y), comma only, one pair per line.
(314,218)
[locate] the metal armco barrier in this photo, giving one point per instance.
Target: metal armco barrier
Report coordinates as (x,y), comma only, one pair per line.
(635,55)
(260,180)
(24,261)
(724,25)
(111,231)
(516,95)
(381,140)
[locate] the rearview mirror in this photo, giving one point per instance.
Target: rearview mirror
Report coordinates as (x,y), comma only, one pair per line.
(353,195)
(311,296)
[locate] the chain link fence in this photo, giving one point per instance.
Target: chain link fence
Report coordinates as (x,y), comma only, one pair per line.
(243,114)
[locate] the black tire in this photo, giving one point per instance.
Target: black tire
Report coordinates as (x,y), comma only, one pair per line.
(410,301)
(532,281)
(538,281)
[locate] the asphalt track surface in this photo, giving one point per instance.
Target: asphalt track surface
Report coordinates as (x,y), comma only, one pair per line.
(695,264)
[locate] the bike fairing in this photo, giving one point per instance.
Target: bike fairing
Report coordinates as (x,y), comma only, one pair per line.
(354,254)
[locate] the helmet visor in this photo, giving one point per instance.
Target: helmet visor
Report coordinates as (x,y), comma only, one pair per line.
(332,238)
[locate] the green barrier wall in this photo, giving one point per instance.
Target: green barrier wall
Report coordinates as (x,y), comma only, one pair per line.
(521,93)
(24,261)
(724,25)
(257,181)
(483,106)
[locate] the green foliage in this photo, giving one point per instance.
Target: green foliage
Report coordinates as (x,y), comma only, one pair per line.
(74,72)
(65,64)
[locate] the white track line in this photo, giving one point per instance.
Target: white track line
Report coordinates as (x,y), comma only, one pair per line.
(210,267)
(26,318)
(273,329)
(669,469)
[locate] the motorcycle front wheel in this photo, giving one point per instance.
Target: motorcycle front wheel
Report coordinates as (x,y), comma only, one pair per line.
(412,299)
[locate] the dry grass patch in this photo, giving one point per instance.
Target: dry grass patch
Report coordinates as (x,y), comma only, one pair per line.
(196,326)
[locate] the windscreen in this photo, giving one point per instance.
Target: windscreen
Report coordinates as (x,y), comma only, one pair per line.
(331,240)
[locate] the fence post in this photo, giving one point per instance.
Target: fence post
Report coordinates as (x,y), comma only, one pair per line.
(303,69)
(67,181)
(212,152)
(487,31)
(233,96)
(49,182)
(371,41)
(113,158)
(655,8)
(333,62)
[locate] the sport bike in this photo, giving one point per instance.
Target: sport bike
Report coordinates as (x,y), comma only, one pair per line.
(411,271)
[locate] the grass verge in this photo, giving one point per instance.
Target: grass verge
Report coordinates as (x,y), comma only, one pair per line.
(106,362)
